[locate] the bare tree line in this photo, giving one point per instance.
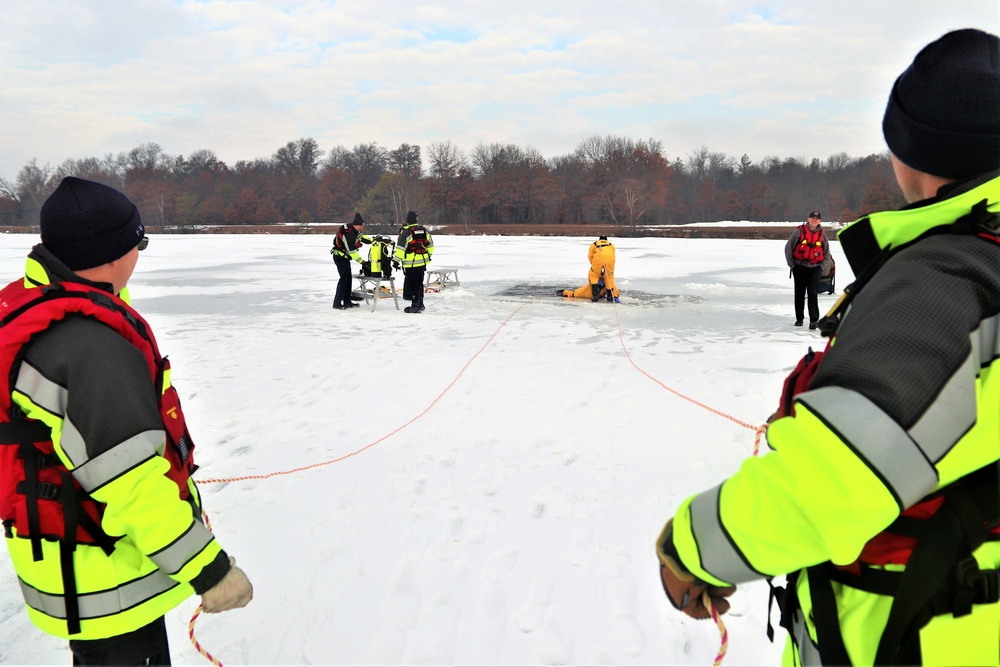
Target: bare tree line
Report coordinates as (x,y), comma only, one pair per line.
(608,180)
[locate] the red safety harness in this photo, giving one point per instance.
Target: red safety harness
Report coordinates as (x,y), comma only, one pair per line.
(418,241)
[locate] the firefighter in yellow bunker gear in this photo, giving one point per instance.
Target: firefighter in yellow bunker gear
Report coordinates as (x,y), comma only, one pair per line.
(601,256)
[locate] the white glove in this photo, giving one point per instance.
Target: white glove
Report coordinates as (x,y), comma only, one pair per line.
(233,592)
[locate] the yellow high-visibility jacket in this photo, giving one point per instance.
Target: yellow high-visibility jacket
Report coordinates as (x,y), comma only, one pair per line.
(906,401)
(96,391)
(411,252)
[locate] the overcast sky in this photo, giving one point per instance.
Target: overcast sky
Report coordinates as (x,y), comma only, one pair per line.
(792,78)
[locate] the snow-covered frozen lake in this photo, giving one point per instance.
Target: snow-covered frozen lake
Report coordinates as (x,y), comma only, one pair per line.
(491,474)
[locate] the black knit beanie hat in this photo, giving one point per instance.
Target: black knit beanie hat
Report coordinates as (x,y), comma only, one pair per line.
(87,224)
(411,218)
(358,220)
(943,116)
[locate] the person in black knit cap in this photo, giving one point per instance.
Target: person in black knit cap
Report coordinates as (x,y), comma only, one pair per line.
(345,248)
(880,484)
(414,249)
(102,519)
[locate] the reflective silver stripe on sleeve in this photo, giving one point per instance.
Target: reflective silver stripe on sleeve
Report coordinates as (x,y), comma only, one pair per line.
(885,446)
(952,413)
(72,443)
(102,603)
(985,342)
(718,555)
(118,460)
(43,392)
(176,555)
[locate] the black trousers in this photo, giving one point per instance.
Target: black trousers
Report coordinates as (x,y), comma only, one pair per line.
(343,295)
(145,646)
(413,286)
(806,284)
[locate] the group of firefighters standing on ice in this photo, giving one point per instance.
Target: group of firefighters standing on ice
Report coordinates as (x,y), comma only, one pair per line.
(414,248)
(878,499)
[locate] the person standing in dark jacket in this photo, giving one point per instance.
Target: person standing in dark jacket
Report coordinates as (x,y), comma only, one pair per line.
(805,251)
(345,248)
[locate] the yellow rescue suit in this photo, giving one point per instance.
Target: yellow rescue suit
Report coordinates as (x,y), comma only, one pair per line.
(602,264)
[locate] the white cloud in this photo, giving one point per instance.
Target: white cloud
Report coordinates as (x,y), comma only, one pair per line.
(786,78)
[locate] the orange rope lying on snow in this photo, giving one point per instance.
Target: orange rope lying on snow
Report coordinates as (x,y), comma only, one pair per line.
(197,611)
(384,437)
(759,429)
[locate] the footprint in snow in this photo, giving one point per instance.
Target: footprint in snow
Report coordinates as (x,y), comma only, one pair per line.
(500,564)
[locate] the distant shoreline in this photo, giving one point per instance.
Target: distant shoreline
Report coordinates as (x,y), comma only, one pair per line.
(745,230)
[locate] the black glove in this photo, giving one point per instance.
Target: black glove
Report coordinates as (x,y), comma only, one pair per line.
(396,265)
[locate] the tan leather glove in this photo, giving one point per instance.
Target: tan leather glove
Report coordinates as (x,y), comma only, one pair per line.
(683,589)
(233,592)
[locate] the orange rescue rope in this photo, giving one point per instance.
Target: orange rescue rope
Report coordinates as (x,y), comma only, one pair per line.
(197,611)
(759,429)
(724,648)
(209,656)
(384,437)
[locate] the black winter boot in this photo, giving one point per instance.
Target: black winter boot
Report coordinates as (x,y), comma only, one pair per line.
(595,293)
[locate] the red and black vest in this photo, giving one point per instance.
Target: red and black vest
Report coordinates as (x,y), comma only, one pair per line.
(39,498)
(341,245)
(810,245)
(418,241)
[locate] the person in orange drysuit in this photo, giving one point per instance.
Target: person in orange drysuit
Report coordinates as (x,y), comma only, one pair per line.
(602,265)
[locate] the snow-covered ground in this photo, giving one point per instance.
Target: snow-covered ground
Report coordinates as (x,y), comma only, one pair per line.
(491,474)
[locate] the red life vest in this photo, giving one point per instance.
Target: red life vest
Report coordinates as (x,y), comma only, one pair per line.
(418,241)
(340,244)
(810,245)
(35,486)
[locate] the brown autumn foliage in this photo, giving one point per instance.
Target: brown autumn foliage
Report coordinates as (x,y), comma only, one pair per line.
(607,181)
